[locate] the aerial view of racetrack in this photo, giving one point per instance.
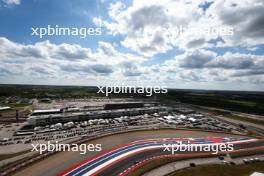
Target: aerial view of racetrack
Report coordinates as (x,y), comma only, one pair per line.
(130,138)
(131,88)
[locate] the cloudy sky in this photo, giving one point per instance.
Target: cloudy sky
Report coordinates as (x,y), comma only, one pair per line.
(140,43)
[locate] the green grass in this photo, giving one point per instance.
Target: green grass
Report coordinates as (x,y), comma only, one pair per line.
(200,94)
(6,156)
(246,153)
(243,103)
(247,102)
(160,162)
(151,165)
(256,121)
(221,170)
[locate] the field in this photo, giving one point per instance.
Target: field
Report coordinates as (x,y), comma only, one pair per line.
(241,101)
(221,170)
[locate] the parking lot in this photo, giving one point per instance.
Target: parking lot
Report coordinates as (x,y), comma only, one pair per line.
(64,132)
(15,139)
(199,121)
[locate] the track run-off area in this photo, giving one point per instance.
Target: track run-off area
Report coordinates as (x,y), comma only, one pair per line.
(116,160)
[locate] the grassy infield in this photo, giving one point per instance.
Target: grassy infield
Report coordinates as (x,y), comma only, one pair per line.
(221,170)
(6,156)
(205,170)
(256,121)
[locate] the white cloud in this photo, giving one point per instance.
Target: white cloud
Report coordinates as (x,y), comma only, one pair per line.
(245,16)
(45,62)
(60,61)
(205,69)
(151,27)
(11,2)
